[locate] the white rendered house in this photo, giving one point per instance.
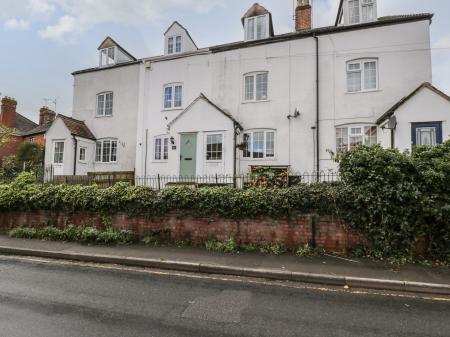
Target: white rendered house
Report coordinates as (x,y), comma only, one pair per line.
(291,100)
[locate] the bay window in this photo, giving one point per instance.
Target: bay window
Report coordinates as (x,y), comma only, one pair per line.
(349,137)
(256,86)
(362,75)
(259,144)
(106,151)
(161,146)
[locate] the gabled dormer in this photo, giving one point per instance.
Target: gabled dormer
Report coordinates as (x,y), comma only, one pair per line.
(177,40)
(111,53)
(353,12)
(257,23)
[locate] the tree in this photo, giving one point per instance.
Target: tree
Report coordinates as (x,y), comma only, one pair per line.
(4,135)
(30,156)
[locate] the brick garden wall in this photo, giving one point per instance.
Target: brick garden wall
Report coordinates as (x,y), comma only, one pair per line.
(293,231)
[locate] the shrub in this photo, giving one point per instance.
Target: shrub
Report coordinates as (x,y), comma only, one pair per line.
(50,233)
(113,236)
(228,246)
(89,234)
(23,233)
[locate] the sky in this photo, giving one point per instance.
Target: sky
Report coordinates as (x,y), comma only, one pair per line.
(43,41)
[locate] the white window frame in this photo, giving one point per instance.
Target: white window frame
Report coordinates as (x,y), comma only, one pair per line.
(251,140)
(173,50)
(361,5)
(107,61)
(253,22)
(222,135)
(255,87)
(82,149)
(361,70)
(362,134)
(59,152)
(172,100)
(164,155)
(101,112)
(102,142)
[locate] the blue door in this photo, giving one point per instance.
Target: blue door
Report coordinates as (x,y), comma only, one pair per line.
(426,133)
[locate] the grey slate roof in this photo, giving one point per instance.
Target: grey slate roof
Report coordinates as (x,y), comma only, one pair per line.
(39,129)
(23,124)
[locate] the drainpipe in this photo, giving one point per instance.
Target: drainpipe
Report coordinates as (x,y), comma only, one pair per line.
(75,142)
(146,153)
(317,109)
(235,127)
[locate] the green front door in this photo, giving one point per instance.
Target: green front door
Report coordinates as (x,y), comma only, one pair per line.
(188,154)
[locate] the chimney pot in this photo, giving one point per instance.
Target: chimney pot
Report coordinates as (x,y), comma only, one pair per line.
(303,16)
(46,115)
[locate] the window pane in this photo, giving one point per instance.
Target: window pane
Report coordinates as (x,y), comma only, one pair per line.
(111,55)
(353,81)
(261,27)
(270,144)
(368,10)
(353,11)
(167,97)
(178,96)
(106,151)
(426,136)
(261,87)
(166,149)
(250,29)
(158,149)
(98,152)
(170,45)
(58,155)
(100,105)
(250,88)
(248,145)
(109,104)
(258,145)
(370,135)
(214,147)
(103,57)
(82,154)
(114,150)
(341,140)
(178,44)
(370,75)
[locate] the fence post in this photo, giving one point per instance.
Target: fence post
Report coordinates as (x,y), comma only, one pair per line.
(159,182)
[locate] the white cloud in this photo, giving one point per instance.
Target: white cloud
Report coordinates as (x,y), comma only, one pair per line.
(41,7)
(16,24)
(66,24)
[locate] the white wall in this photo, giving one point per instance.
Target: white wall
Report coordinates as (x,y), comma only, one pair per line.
(59,132)
(187,44)
(425,106)
(404,63)
(124,83)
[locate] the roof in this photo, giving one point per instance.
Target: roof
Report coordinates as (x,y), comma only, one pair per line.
(206,99)
(111,40)
(405,99)
(23,124)
(383,21)
(257,10)
(76,127)
(182,27)
(39,129)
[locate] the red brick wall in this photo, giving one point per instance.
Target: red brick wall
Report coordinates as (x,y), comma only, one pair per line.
(10,148)
(303,18)
(38,139)
(294,231)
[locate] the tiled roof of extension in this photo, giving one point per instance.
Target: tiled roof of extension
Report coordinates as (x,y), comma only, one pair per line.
(39,129)
(77,128)
(382,21)
(23,124)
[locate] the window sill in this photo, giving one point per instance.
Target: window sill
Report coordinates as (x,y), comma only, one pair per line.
(173,109)
(108,116)
(261,101)
(160,161)
(259,159)
(108,163)
(214,161)
(362,92)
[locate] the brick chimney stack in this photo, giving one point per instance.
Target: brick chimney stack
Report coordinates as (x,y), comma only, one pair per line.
(8,112)
(303,16)
(46,115)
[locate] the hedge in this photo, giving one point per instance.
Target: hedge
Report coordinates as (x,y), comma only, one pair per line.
(397,200)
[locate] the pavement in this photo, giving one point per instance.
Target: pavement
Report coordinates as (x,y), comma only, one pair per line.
(328,270)
(56,298)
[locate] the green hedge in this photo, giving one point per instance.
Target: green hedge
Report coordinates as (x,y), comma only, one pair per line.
(398,200)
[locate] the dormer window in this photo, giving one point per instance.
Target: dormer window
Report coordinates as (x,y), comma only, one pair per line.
(360,11)
(107,56)
(256,28)
(174,44)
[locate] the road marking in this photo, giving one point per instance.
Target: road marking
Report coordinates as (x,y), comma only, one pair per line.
(235,279)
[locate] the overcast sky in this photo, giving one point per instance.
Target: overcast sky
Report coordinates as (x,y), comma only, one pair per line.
(43,41)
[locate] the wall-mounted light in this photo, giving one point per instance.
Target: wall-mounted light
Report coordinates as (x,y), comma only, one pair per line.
(295,115)
(172,140)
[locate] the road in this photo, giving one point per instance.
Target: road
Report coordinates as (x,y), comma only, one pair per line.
(55,299)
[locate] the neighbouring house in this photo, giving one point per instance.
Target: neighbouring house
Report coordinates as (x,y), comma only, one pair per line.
(37,134)
(16,124)
(292,100)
